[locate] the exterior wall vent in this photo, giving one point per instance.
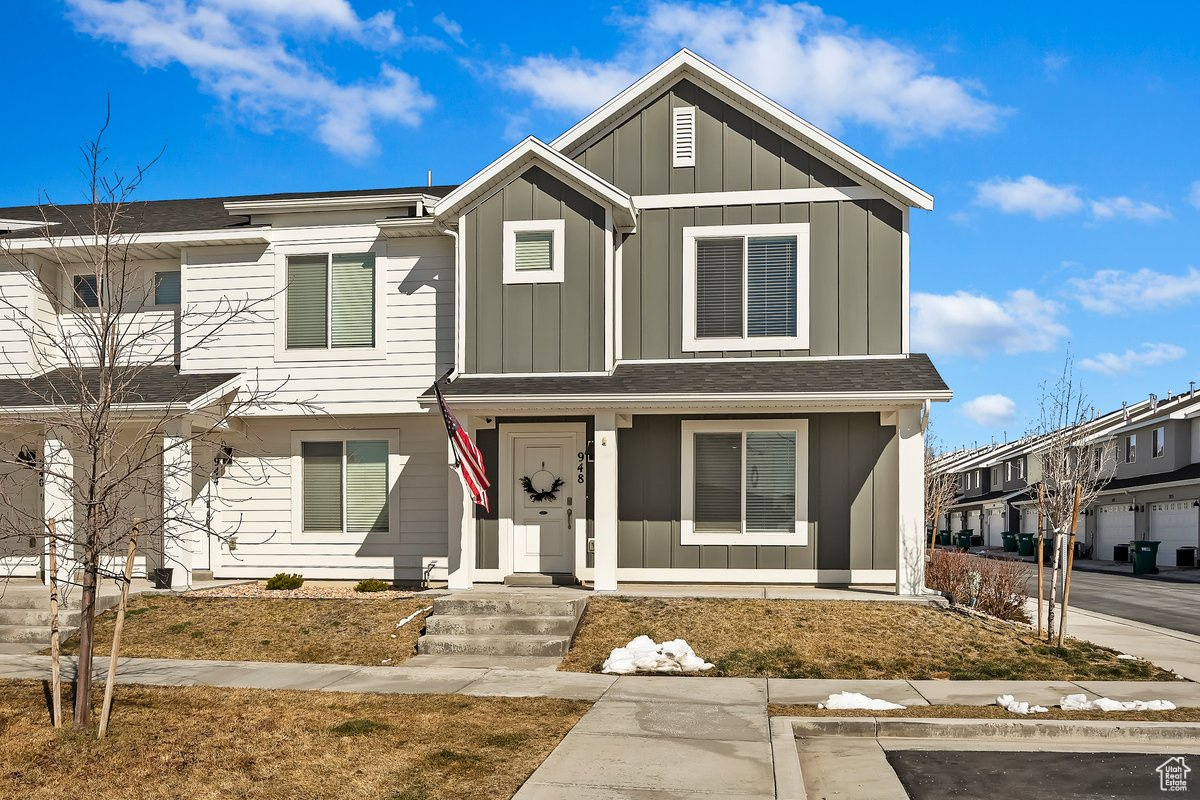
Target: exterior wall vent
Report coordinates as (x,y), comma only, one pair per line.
(683,137)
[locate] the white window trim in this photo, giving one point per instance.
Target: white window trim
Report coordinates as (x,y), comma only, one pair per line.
(688,533)
(557,272)
(1154,444)
(798,342)
(376,353)
(395,464)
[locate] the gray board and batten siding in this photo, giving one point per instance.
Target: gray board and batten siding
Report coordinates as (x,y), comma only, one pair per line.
(547,327)
(855,246)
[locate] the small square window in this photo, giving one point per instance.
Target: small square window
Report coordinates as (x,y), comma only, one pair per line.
(167,288)
(534,251)
(87,292)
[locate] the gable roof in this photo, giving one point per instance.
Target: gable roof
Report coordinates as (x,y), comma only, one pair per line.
(685,63)
(534,151)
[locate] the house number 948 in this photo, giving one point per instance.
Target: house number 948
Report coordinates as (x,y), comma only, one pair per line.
(580,470)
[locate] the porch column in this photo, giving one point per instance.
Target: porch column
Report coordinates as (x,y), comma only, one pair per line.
(910,576)
(180,529)
(59,502)
(604,494)
(460,521)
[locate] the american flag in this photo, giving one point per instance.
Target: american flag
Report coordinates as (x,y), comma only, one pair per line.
(467,458)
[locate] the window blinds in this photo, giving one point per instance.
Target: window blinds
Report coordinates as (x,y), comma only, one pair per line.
(167,288)
(770,482)
(322,485)
(771,286)
(718,489)
(366,487)
(534,250)
(719,288)
(307,295)
(353,300)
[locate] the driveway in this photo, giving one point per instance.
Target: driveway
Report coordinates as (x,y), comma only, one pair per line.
(1175,606)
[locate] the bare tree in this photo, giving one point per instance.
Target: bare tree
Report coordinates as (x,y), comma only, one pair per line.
(118,437)
(941,483)
(1073,470)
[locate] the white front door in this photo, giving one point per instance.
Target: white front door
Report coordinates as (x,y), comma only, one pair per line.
(21,555)
(546,497)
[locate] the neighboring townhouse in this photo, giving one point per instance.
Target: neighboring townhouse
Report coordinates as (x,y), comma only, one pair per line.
(679,334)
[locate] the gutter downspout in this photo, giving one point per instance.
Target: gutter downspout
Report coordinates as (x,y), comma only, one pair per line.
(441,227)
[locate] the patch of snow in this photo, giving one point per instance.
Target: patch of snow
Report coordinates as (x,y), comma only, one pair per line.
(848,700)
(413,616)
(1127,657)
(1011,704)
(1079,702)
(643,654)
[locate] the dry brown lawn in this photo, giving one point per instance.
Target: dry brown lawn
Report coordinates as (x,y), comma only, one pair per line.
(347,631)
(987,712)
(845,639)
(203,742)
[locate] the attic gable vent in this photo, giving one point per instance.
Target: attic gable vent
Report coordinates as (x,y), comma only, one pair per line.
(683,137)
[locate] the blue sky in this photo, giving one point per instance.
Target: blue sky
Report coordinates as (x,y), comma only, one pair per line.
(1058,140)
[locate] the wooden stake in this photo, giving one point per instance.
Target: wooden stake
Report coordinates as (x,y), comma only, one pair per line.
(106,709)
(55,647)
(937,512)
(1062,618)
(1041,579)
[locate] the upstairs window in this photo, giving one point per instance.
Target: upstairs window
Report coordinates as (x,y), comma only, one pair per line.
(1021,469)
(330,301)
(167,288)
(1130,450)
(995,477)
(1008,471)
(86,291)
(534,251)
(1159,443)
(745,287)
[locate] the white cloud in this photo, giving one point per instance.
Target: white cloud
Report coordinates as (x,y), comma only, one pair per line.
(828,72)
(1112,291)
(1194,194)
(1028,195)
(1113,207)
(990,410)
(1053,64)
(973,325)
(244,53)
(1151,355)
(452,28)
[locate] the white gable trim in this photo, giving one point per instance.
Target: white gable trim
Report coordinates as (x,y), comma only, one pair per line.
(530,151)
(685,62)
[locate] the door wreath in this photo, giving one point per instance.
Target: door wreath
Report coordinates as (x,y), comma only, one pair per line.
(540,495)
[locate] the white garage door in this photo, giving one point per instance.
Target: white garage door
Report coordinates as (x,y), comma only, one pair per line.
(1029,520)
(973,522)
(956,521)
(993,528)
(1114,525)
(1175,525)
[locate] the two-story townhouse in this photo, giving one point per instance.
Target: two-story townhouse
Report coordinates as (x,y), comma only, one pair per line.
(679,333)
(1154,492)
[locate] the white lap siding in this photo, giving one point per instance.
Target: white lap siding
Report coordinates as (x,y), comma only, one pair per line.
(256,501)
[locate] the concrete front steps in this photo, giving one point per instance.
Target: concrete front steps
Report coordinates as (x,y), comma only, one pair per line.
(502,625)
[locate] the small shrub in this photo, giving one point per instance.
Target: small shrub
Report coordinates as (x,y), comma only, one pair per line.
(358,727)
(372,585)
(284,581)
(993,586)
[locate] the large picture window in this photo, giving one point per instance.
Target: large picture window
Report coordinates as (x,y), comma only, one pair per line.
(345,485)
(745,482)
(745,287)
(330,301)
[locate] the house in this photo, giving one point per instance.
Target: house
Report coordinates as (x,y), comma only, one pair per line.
(679,334)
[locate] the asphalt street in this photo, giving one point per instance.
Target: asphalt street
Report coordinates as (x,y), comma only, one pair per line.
(1166,605)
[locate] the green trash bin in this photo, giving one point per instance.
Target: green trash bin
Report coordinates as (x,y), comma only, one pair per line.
(1026,543)
(964,539)
(1010,541)
(1145,557)
(944,538)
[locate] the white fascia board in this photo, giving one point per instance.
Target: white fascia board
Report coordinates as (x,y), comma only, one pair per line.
(216,393)
(687,62)
(397,227)
(823,400)
(254,235)
(347,203)
(529,151)
(135,410)
(1149,487)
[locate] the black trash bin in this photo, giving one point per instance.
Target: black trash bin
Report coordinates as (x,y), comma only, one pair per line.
(162,577)
(1121,553)
(1185,557)
(963,539)
(1145,557)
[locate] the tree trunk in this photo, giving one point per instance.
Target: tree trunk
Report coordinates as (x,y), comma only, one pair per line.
(1053,583)
(55,654)
(87,628)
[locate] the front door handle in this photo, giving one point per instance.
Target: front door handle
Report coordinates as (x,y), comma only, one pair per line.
(569,514)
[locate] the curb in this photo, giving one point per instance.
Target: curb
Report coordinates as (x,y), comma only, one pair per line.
(926,728)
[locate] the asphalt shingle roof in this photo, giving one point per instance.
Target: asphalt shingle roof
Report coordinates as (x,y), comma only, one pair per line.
(913,374)
(166,216)
(148,384)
